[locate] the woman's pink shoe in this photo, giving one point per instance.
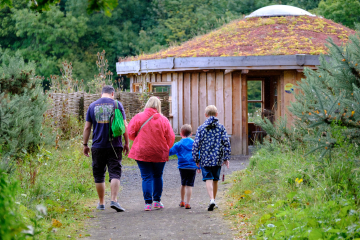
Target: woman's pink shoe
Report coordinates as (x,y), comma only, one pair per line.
(147,207)
(158,205)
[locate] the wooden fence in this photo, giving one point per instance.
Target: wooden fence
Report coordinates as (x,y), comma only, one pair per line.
(78,103)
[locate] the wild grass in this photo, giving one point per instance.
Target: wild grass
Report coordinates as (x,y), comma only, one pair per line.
(286,195)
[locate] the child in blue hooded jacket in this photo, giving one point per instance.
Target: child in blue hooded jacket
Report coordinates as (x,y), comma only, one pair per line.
(211,150)
(186,164)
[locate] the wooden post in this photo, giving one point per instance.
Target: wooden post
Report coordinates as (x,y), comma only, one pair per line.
(202,99)
(219,99)
(195,100)
(244,115)
(228,102)
(187,103)
(131,83)
(174,103)
(236,144)
(210,81)
(181,98)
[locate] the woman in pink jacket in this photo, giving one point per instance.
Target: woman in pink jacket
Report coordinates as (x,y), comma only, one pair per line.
(153,137)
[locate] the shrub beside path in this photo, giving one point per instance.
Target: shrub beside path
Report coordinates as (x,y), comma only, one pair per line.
(172,222)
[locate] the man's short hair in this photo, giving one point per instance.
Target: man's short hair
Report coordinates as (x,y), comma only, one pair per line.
(107,89)
(211,110)
(186,130)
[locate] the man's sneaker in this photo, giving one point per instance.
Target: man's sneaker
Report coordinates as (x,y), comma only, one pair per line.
(158,205)
(216,206)
(147,207)
(211,205)
(116,206)
(100,206)
(187,206)
(182,204)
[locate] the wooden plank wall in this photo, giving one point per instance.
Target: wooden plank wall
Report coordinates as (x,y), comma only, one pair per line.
(193,91)
(289,77)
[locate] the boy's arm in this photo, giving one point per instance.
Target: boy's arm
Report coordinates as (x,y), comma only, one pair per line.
(196,148)
(226,145)
(174,149)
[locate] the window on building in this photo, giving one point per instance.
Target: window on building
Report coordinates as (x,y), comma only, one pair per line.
(255,99)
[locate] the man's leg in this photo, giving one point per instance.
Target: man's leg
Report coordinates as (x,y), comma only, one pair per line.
(100,188)
(209,188)
(114,186)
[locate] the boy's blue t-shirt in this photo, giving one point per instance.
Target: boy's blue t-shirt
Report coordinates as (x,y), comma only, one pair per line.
(183,150)
(98,114)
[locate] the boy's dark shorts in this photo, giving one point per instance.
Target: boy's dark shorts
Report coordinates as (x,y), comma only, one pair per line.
(187,176)
(211,173)
(102,157)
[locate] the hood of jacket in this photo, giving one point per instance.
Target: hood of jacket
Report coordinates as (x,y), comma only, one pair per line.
(211,122)
(187,143)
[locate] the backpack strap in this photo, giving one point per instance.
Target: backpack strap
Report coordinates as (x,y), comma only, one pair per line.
(145,124)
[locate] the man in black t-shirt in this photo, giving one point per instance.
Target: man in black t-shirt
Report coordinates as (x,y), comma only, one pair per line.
(105,154)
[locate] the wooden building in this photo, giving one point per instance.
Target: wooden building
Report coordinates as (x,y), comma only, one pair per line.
(246,68)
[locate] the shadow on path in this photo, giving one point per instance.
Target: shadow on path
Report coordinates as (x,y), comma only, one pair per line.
(172,222)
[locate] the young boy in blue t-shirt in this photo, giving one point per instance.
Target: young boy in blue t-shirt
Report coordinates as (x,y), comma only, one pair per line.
(186,164)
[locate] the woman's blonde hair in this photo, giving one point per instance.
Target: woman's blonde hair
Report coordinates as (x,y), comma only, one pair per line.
(154,102)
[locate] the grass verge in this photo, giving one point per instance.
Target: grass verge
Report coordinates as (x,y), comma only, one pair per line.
(284,195)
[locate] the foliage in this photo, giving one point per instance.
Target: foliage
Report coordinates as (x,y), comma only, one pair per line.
(104,77)
(66,31)
(346,12)
(284,194)
(11,223)
(23,105)
(44,5)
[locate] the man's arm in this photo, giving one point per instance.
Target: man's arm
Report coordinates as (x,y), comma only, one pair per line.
(86,135)
(126,138)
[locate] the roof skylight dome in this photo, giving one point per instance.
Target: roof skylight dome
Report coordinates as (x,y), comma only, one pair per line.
(279,11)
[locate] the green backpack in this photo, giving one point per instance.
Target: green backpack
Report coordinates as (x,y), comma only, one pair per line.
(117,126)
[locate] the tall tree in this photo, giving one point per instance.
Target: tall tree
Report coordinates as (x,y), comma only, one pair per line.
(346,12)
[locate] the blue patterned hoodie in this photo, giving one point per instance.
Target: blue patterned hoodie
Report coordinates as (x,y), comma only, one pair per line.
(211,146)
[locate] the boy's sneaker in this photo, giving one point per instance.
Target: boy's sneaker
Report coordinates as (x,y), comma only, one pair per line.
(100,206)
(116,206)
(158,205)
(211,205)
(182,204)
(187,206)
(147,207)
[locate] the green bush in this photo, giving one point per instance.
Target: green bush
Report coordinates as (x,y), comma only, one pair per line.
(298,197)
(11,224)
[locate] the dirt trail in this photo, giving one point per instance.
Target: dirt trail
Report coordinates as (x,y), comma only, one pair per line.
(172,222)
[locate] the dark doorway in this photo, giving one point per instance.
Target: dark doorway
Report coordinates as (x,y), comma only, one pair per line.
(262,103)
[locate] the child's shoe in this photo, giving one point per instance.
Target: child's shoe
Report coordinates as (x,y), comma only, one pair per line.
(158,205)
(211,205)
(187,206)
(147,207)
(182,204)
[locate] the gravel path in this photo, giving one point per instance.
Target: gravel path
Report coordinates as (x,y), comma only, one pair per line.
(172,222)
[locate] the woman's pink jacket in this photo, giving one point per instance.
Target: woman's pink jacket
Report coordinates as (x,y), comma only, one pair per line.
(155,138)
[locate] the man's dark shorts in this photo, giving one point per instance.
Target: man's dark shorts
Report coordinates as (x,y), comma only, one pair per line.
(187,176)
(102,157)
(211,173)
